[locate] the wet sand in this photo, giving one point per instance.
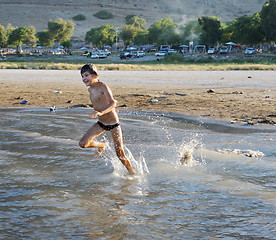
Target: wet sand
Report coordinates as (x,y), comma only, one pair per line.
(235,96)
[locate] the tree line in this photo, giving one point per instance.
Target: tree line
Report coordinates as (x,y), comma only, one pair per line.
(59,30)
(250,30)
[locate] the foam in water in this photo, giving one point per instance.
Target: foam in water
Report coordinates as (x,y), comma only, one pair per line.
(247,153)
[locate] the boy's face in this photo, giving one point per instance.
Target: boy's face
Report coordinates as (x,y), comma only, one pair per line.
(88,78)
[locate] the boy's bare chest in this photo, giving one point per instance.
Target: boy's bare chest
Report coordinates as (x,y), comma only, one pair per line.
(96,96)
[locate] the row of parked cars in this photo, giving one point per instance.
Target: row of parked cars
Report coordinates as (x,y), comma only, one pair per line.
(98,54)
(225,50)
(165,52)
(137,54)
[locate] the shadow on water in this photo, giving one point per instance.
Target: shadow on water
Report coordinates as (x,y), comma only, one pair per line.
(52,189)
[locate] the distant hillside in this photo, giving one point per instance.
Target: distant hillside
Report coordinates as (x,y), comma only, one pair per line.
(37,13)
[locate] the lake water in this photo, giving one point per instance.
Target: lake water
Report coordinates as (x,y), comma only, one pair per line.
(52,189)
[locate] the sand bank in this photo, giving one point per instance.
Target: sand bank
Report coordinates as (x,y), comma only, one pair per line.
(237,96)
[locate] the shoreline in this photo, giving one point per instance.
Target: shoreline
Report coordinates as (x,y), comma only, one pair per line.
(207,123)
(245,97)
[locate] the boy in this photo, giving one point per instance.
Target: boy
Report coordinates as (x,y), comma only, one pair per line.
(104,108)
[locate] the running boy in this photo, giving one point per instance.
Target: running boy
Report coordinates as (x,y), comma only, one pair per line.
(104,108)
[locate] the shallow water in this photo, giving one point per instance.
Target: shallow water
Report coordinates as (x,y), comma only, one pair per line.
(52,189)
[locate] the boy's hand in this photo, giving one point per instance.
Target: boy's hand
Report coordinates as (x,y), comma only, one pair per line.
(95,114)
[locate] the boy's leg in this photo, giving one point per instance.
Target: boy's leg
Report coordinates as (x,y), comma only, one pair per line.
(87,140)
(118,144)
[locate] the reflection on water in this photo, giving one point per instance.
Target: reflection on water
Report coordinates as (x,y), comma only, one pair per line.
(52,189)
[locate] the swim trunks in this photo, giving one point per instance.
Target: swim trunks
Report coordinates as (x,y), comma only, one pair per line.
(108,127)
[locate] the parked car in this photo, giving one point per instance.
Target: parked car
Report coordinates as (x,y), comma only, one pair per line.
(138,54)
(161,53)
(250,51)
(142,53)
(211,51)
(170,51)
(153,49)
(108,53)
(125,55)
(223,50)
(86,53)
(94,55)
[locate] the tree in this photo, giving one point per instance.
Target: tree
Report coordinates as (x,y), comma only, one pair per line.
(136,22)
(9,29)
(191,31)
(158,27)
(66,44)
(79,17)
(61,30)
(103,35)
(169,38)
(246,29)
(128,33)
(211,30)
(268,20)
(44,38)
(141,37)
(22,35)
(128,18)
(3,36)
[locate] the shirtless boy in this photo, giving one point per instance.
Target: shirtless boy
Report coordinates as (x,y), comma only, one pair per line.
(104,108)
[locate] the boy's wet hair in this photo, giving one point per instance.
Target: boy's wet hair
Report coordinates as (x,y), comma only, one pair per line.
(91,68)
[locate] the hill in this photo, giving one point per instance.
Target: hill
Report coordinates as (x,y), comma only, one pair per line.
(37,13)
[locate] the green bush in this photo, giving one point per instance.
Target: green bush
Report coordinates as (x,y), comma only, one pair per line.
(79,17)
(103,15)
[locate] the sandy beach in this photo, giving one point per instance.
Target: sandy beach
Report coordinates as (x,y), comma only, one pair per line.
(231,96)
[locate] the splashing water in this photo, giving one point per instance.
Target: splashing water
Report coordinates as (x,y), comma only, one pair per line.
(110,157)
(53,189)
(186,151)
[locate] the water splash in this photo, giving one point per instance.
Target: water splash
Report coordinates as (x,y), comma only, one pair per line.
(139,165)
(110,157)
(186,151)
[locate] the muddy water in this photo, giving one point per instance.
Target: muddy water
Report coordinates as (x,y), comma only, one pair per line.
(52,189)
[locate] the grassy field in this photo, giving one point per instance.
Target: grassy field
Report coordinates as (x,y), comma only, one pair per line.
(170,63)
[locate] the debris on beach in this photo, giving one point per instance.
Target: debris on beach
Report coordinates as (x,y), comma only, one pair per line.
(69,101)
(181,94)
(210,91)
(18,98)
(154,100)
(53,108)
(123,105)
(24,102)
(236,92)
(57,92)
